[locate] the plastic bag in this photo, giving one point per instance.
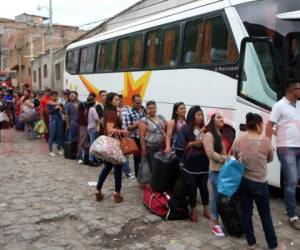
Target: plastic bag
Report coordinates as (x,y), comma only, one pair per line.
(40,127)
(144,174)
(230,177)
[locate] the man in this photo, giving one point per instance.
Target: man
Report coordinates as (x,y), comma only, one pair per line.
(71,116)
(125,123)
(136,113)
(100,108)
(286,116)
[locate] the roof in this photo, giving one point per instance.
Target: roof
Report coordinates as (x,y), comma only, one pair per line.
(44,18)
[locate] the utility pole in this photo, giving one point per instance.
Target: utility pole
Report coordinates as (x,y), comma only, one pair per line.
(51,46)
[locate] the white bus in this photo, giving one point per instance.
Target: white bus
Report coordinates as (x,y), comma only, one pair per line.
(233,55)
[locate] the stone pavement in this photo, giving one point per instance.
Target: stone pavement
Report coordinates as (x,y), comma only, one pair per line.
(46,203)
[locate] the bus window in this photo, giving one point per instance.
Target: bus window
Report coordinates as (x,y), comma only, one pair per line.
(218,44)
(153,48)
(87,59)
(106,56)
(260,82)
(135,52)
(193,42)
(123,53)
(170,46)
(72,61)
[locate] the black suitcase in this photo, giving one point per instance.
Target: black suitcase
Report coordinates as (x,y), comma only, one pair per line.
(165,171)
(70,149)
(229,209)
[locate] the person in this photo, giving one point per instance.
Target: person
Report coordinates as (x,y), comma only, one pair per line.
(174,125)
(63,101)
(285,116)
(65,98)
(93,122)
(27,106)
(216,152)
(255,151)
(10,106)
(71,116)
(194,159)
(43,109)
(100,105)
(136,113)
(112,126)
(152,132)
(83,108)
(55,124)
(3,119)
(125,122)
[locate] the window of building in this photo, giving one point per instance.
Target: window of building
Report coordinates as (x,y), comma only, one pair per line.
(153,42)
(208,42)
(123,54)
(40,78)
(170,46)
(34,76)
(57,72)
(106,56)
(29,71)
(87,59)
(72,61)
(45,71)
(136,52)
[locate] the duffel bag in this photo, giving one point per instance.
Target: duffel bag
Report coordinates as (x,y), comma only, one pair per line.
(156,202)
(229,209)
(108,149)
(178,209)
(29,116)
(165,171)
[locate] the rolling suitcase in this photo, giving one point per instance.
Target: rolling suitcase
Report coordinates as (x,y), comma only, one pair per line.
(229,210)
(165,171)
(70,149)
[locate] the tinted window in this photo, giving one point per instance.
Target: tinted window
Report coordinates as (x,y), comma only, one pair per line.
(123,53)
(87,59)
(106,56)
(72,61)
(153,48)
(136,52)
(170,46)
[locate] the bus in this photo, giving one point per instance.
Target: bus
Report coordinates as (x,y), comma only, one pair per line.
(234,55)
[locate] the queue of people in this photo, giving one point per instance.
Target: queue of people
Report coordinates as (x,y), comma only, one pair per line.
(197,138)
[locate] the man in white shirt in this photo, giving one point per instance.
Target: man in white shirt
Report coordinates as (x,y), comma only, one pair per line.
(286,116)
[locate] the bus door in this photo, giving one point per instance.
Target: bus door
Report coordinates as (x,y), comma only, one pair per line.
(259,86)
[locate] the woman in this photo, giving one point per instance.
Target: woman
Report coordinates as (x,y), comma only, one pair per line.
(112,126)
(173,126)
(255,151)
(28,106)
(216,152)
(190,148)
(152,132)
(55,124)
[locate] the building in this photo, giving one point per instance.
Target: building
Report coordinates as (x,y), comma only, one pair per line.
(26,38)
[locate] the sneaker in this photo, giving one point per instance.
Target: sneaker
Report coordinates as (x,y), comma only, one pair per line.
(217,230)
(80,161)
(252,246)
(295,223)
(130,176)
(60,152)
(52,154)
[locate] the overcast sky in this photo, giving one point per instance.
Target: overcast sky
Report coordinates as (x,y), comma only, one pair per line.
(68,12)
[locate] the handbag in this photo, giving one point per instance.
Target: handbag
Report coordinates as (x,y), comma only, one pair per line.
(108,149)
(230,176)
(29,116)
(144,174)
(128,146)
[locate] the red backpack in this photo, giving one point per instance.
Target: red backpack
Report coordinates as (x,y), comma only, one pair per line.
(156,202)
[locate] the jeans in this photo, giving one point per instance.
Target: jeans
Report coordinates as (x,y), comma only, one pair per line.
(196,181)
(258,192)
(290,172)
(55,134)
(126,167)
(104,173)
(92,132)
(213,177)
(73,133)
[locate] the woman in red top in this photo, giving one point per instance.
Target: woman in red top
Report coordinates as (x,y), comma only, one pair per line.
(112,126)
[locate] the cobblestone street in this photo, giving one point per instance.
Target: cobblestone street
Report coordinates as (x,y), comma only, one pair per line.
(46,203)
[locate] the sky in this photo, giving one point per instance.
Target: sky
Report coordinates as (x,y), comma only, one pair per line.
(67,12)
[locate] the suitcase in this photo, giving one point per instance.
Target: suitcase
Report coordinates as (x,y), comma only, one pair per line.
(70,149)
(165,171)
(229,209)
